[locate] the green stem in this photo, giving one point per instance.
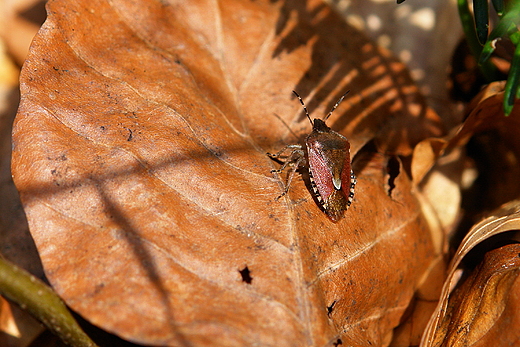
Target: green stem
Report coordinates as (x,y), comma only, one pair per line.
(42,302)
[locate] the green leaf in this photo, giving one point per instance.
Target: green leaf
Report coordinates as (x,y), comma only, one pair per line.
(480,9)
(499,6)
(488,49)
(512,90)
(508,24)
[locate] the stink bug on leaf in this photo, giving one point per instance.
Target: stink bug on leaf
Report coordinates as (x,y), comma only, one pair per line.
(328,158)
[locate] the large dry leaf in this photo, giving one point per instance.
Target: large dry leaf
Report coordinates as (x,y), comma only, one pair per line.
(139,153)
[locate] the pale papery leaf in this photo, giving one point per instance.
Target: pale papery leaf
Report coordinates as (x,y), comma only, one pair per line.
(7,321)
(483,114)
(140,155)
(439,165)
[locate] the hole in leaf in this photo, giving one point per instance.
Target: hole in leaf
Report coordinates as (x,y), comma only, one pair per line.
(393,169)
(331,308)
(246,275)
(337,343)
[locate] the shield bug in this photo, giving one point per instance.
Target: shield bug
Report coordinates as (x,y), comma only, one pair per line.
(330,169)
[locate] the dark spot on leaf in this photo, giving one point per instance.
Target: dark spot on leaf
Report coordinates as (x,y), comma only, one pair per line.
(130,135)
(62,157)
(337,343)
(99,287)
(217,152)
(246,275)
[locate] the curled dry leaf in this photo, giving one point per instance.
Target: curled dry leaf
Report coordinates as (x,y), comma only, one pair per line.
(140,155)
(440,165)
(441,168)
(476,307)
(484,114)
(480,311)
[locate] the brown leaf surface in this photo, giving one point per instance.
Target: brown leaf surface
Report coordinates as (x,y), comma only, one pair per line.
(481,305)
(139,153)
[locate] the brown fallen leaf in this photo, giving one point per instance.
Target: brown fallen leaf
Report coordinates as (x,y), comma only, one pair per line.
(484,113)
(481,301)
(140,156)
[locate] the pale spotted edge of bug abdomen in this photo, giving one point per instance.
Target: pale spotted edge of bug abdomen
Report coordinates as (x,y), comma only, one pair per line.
(353,181)
(350,197)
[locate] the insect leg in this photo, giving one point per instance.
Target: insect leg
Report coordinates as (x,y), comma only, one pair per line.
(280,152)
(297,158)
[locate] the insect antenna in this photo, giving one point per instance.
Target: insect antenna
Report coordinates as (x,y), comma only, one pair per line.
(304,107)
(337,103)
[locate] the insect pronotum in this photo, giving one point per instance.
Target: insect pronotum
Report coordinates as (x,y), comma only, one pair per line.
(328,158)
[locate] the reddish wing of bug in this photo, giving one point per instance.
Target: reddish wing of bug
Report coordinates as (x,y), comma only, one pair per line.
(319,170)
